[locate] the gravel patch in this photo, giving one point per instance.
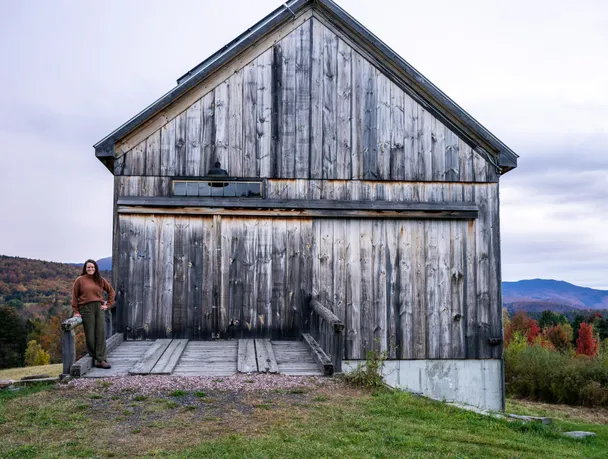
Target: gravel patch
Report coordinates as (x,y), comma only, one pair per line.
(159,384)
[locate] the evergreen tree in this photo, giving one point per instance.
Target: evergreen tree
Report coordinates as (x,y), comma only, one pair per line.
(13,335)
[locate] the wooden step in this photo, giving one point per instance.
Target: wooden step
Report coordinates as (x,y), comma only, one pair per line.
(169,359)
(267,363)
(151,357)
(247,362)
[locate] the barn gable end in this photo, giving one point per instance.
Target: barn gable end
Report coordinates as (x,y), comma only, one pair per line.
(318,65)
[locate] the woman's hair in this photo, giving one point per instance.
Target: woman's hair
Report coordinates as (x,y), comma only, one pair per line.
(96,276)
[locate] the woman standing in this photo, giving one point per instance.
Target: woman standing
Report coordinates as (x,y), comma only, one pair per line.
(88,303)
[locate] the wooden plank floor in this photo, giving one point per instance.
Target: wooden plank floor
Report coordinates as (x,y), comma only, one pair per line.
(294,358)
(208,358)
(122,359)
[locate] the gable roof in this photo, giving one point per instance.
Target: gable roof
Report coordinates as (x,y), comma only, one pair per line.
(393,65)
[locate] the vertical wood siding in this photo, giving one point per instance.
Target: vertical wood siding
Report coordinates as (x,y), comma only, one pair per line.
(309,107)
(416,289)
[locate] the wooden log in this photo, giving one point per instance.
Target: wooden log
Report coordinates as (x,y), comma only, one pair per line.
(319,356)
(328,316)
(82,366)
(267,363)
(247,362)
(71,323)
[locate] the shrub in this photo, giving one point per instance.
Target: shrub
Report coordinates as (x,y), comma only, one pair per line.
(369,375)
(538,373)
(35,355)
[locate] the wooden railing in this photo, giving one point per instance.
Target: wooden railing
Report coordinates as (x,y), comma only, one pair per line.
(327,330)
(68,343)
(68,346)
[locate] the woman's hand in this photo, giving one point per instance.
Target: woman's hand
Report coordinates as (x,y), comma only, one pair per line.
(104,306)
(77,314)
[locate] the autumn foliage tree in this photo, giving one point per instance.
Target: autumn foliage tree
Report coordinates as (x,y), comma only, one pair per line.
(35,355)
(560,336)
(586,343)
(522,324)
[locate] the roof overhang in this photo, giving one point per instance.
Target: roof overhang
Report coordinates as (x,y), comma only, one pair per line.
(402,73)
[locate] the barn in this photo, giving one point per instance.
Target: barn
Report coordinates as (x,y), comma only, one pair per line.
(306,183)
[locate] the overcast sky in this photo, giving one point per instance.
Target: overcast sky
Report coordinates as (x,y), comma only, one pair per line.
(533,72)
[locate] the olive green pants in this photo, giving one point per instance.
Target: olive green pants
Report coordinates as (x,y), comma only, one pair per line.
(94,323)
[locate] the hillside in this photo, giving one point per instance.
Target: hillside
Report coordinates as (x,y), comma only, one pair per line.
(535,295)
(36,288)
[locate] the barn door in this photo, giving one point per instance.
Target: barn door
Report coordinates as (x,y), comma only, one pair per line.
(264,276)
(195,278)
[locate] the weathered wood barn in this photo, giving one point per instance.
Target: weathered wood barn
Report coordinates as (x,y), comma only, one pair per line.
(305,161)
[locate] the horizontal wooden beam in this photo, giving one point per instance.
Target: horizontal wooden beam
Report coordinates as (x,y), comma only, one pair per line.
(319,356)
(327,315)
(297,208)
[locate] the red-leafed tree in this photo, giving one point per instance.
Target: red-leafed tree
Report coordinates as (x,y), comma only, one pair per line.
(586,344)
(524,325)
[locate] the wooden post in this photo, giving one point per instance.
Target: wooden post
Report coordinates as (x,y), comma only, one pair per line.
(68,343)
(68,351)
(338,347)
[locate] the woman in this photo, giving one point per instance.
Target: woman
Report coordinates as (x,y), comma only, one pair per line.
(88,303)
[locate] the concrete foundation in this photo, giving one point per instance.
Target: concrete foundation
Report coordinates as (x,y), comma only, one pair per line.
(477,383)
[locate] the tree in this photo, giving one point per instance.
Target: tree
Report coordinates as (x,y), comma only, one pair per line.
(524,325)
(52,339)
(13,335)
(586,343)
(576,323)
(560,336)
(548,319)
(35,355)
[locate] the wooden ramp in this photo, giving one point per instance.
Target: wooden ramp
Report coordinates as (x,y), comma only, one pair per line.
(180,357)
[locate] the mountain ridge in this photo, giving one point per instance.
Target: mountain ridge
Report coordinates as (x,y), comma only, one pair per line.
(530,295)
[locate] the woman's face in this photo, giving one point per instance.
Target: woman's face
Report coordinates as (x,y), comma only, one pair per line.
(90,267)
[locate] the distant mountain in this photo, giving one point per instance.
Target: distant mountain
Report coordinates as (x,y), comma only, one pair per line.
(535,295)
(105,264)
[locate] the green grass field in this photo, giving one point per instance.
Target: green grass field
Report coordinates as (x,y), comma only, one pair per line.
(329,421)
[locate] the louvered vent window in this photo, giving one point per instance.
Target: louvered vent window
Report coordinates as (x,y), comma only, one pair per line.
(217,188)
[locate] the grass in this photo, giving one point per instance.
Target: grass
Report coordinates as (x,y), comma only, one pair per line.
(18,373)
(49,422)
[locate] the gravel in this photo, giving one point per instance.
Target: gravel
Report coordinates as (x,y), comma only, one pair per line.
(158,384)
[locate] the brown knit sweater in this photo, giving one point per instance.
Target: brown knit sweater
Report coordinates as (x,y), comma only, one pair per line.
(86,290)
